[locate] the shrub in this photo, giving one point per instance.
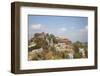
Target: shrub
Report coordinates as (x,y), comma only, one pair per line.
(77,55)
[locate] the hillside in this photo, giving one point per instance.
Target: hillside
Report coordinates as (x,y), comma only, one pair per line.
(44,46)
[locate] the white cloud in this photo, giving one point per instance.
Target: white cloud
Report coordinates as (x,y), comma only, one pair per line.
(63,29)
(84,29)
(36,26)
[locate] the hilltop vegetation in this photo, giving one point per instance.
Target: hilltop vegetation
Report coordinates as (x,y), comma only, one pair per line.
(44,46)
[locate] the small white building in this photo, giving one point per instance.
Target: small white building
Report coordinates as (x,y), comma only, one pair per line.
(70,55)
(60,47)
(82,51)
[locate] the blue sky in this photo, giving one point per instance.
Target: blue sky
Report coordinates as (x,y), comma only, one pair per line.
(71,27)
